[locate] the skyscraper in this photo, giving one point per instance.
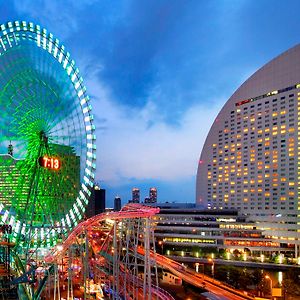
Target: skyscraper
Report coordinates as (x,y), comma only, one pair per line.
(100,202)
(135,195)
(153,195)
(250,158)
(117,203)
(97,202)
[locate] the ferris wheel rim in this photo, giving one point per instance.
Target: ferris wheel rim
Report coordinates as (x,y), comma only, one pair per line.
(47,42)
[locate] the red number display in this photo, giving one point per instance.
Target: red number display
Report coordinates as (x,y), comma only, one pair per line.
(48,162)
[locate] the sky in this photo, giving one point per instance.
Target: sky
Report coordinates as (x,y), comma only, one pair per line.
(157,73)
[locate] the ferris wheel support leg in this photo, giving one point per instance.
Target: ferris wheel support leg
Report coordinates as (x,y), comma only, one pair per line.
(33,190)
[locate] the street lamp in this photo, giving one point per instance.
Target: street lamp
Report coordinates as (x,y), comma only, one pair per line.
(161,244)
(212,267)
(271,283)
(197,269)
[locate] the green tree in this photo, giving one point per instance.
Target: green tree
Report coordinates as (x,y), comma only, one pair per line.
(291,283)
(245,279)
(256,277)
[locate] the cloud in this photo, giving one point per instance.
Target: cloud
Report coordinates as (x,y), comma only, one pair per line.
(59,17)
(129,148)
(151,52)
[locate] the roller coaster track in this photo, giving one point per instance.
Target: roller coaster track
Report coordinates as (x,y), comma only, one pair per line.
(129,228)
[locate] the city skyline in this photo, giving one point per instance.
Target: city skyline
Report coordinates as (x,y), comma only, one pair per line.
(158,74)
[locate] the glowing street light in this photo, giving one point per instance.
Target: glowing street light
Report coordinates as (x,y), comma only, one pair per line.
(59,248)
(271,283)
(212,267)
(197,269)
(161,244)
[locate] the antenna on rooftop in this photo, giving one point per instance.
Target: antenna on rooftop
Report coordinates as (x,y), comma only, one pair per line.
(10,149)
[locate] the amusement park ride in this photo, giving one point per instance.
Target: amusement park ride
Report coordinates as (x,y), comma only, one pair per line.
(47,165)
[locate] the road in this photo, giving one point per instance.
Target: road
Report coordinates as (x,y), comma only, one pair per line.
(220,290)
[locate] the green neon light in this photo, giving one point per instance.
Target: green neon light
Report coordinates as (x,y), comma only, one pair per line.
(41,92)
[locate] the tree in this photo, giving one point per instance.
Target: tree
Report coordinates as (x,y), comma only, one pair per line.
(291,283)
(264,287)
(257,277)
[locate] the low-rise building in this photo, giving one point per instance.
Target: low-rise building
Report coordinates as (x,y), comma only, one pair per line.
(188,230)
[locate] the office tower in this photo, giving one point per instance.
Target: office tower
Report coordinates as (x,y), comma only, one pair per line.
(117,203)
(147,200)
(135,195)
(153,195)
(97,202)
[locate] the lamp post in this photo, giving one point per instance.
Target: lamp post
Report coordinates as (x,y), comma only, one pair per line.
(271,284)
(161,244)
(197,269)
(212,267)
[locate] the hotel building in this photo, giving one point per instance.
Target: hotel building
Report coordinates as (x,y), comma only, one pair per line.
(250,161)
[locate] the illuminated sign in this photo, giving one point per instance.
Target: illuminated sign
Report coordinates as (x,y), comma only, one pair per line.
(226,220)
(243,102)
(52,163)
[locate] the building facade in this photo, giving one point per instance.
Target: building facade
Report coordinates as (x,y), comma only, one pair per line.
(97,201)
(153,195)
(135,195)
(16,180)
(189,231)
(251,159)
(117,203)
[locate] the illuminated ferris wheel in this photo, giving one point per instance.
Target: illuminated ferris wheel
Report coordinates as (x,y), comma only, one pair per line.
(47,140)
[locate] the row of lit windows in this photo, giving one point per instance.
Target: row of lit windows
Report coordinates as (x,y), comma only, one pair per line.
(236,149)
(251,243)
(265,160)
(189,240)
(238,206)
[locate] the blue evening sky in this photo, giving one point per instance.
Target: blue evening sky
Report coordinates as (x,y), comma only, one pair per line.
(158,72)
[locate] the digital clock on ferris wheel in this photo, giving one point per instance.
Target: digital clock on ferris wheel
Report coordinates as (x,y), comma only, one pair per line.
(48,162)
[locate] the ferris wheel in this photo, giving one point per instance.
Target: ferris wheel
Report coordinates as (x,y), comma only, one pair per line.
(47,139)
